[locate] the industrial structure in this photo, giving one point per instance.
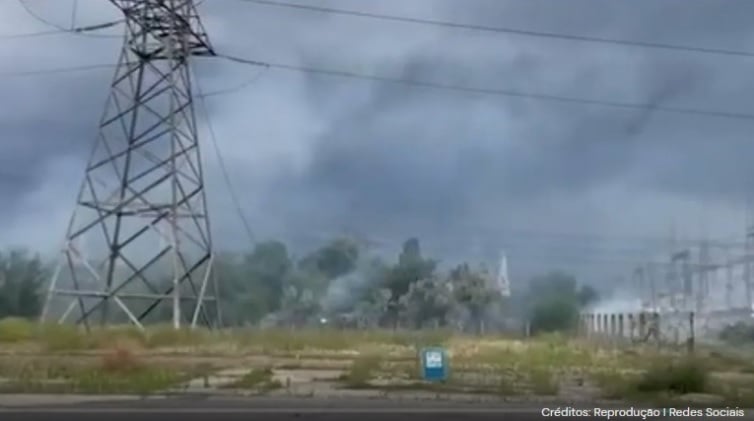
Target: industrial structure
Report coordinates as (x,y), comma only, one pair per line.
(503,280)
(708,279)
(139,239)
(692,292)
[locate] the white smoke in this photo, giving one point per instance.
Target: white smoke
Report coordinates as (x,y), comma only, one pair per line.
(343,292)
(620,301)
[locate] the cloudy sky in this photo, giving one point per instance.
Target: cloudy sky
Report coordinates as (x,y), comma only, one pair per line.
(593,189)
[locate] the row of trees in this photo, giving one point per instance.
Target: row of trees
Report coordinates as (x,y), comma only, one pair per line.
(339,284)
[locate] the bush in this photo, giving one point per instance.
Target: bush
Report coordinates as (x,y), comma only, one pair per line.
(167,336)
(120,360)
(554,314)
(57,337)
(362,371)
(16,330)
(738,333)
(681,377)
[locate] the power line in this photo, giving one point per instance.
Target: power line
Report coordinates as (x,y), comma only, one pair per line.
(424,84)
(75,31)
(502,30)
(238,87)
(39,18)
(74,13)
(223,167)
(558,254)
(33,34)
(490,91)
(58,29)
(58,70)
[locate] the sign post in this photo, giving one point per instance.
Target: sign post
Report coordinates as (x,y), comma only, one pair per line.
(434,364)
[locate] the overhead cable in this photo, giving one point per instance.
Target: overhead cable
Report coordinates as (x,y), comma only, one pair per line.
(500,29)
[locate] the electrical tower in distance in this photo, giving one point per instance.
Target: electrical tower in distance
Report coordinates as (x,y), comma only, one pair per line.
(138,246)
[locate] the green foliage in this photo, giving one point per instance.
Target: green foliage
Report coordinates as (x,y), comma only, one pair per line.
(684,376)
(738,333)
(427,300)
(21,279)
(253,285)
(554,301)
(553,314)
(15,330)
(268,265)
(411,267)
(587,295)
(257,379)
(63,338)
(268,285)
(335,259)
(362,370)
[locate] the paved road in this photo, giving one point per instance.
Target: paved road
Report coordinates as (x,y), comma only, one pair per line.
(276,409)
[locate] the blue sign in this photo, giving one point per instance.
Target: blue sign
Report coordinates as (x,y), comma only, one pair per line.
(434,364)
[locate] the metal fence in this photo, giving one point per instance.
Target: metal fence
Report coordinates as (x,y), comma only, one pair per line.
(641,327)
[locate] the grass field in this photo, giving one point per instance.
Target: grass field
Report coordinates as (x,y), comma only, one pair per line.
(63,359)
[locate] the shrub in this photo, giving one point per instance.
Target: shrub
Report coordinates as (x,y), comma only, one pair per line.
(685,376)
(16,330)
(120,360)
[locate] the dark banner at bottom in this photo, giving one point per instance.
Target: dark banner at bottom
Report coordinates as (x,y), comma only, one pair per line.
(280,409)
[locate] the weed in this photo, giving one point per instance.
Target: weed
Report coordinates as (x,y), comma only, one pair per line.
(14,330)
(120,360)
(259,379)
(167,336)
(119,336)
(60,337)
(613,383)
(507,386)
(687,375)
(543,382)
(362,371)
(116,373)
(142,381)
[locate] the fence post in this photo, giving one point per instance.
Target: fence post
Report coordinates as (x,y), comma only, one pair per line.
(631,326)
(611,331)
(598,324)
(642,325)
(656,327)
(690,341)
(621,333)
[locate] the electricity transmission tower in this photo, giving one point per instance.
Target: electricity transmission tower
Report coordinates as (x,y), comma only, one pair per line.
(139,238)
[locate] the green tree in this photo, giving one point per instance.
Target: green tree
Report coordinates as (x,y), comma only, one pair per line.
(474,292)
(554,301)
(251,286)
(298,306)
(267,266)
(428,300)
(411,268)
(587,295)
(335,259)
(22,277)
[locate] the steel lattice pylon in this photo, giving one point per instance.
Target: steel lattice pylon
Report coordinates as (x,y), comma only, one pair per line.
(139,236)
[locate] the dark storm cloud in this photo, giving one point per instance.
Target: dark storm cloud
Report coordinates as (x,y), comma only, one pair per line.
(40,125)
(419,155)
(392,160)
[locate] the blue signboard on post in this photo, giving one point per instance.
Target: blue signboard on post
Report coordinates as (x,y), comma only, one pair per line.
(434,364)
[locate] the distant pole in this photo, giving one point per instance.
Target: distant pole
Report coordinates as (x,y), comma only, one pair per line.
(704,267)
(749,251)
